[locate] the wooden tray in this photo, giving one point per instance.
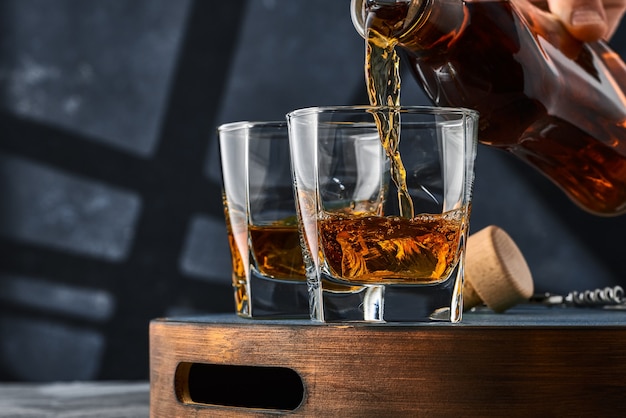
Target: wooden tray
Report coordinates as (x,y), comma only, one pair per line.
(539,361)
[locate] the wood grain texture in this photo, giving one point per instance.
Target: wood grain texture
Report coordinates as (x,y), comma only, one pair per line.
(478,369)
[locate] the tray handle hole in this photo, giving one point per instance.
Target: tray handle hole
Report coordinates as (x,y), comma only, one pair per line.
(258,387)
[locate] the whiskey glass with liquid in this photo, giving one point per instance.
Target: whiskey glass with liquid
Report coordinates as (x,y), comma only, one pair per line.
(268,270)
(383,197)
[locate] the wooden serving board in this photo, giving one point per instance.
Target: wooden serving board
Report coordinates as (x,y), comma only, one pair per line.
(531,361)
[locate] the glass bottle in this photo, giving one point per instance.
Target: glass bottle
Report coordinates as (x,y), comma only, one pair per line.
(551,100)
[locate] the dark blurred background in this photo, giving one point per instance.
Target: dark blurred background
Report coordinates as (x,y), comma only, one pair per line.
(110,201)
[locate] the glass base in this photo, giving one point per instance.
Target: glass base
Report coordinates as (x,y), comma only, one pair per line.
(267,298)
(333,302)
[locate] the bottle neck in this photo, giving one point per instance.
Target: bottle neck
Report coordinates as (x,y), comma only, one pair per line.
(415,24)
(404,11)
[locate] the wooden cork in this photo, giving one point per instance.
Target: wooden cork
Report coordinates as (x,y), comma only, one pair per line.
(496,272)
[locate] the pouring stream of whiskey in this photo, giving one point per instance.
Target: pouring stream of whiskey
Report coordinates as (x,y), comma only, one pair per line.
(382,75)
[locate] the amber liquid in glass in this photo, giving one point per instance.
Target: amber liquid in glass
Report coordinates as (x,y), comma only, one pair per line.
(277,252)
(391,250)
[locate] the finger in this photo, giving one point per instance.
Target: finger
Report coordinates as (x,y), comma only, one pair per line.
(584,19)
(614,13)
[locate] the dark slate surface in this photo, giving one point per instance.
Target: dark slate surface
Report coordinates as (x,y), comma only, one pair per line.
(520,316)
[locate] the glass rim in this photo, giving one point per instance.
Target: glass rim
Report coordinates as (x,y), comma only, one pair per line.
(245,124)
(433,110)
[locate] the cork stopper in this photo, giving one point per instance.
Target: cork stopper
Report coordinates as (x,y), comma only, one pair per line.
(496,272)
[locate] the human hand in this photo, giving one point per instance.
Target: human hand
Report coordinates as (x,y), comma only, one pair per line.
(589,20)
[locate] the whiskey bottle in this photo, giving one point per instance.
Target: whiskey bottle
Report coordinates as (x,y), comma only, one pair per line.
(555,102)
